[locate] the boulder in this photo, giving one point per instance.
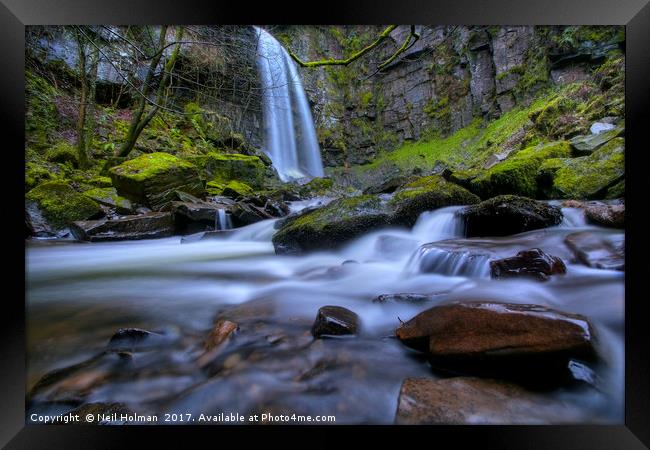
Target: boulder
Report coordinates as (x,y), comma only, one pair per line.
(335,321)
(190,217)
(477,401)
(500,339)
(533,263)
(612,216)
(425,194)
(153,179)
(587,144)
(518,174)
(332,225)
(144,226)
(508,214)
(595,251)
(386,186)
(585,177)
(61,205)
(221,167)
(108,196)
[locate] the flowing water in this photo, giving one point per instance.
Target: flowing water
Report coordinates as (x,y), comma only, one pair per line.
(78,295)
(290,137)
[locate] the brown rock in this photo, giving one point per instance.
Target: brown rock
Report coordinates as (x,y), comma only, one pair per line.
(479,331)
(465,400)
(533,263)
(222,331)
(606,215)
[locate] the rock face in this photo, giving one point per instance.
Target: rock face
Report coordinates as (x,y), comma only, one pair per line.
(189,217)
(425,194)
(586,177)
(144,226)
(606,215)
(533,263)
(335,321)
(499,338)
(476,401)
(508,214)
(61,205)
(595,251)
(154,178)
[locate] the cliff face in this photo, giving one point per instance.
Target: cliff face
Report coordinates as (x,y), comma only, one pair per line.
(447,79)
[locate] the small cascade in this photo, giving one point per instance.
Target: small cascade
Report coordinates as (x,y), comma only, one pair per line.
(453,262)
(438,225)
(573,218)
(290,137)
(222,220)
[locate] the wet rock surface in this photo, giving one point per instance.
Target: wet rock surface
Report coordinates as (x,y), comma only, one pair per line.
(144,226)
(508,214)
(476,401)
(510,340)
(606,215)
(533,263)
(595,251)
(335,321)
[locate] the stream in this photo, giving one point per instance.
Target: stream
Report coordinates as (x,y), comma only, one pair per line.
(79,294)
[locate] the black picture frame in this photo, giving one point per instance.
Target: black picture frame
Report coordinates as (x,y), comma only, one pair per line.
(634,14)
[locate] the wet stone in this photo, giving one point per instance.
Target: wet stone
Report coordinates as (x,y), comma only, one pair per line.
(335,321)
(533,263)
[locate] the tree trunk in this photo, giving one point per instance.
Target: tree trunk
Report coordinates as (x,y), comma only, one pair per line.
(90,110)
(138,123)
(82,155)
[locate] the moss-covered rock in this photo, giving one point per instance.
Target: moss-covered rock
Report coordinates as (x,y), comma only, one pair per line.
(108,196)
(154,178)
(508,214)
(62,152)
(586,177)
(61,205)
(425,194)
(37,173)
(225,167)
(585,145)
(235,189)
(317,186)
(328,227)
(517,175)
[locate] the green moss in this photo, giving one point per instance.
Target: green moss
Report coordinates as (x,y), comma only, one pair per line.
(37,173)
(225,167)
(41,116)
(108,196)
(425,194)
(62,205)
(518,174)
(101,182)
(62,152)
(317,186)
(235,189)
(587,177)
(150,165)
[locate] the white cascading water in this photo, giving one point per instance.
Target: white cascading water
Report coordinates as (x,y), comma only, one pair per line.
(222,220)
(289,134)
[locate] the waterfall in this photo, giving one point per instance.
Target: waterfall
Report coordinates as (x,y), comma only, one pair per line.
(290,138)
(222,220)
